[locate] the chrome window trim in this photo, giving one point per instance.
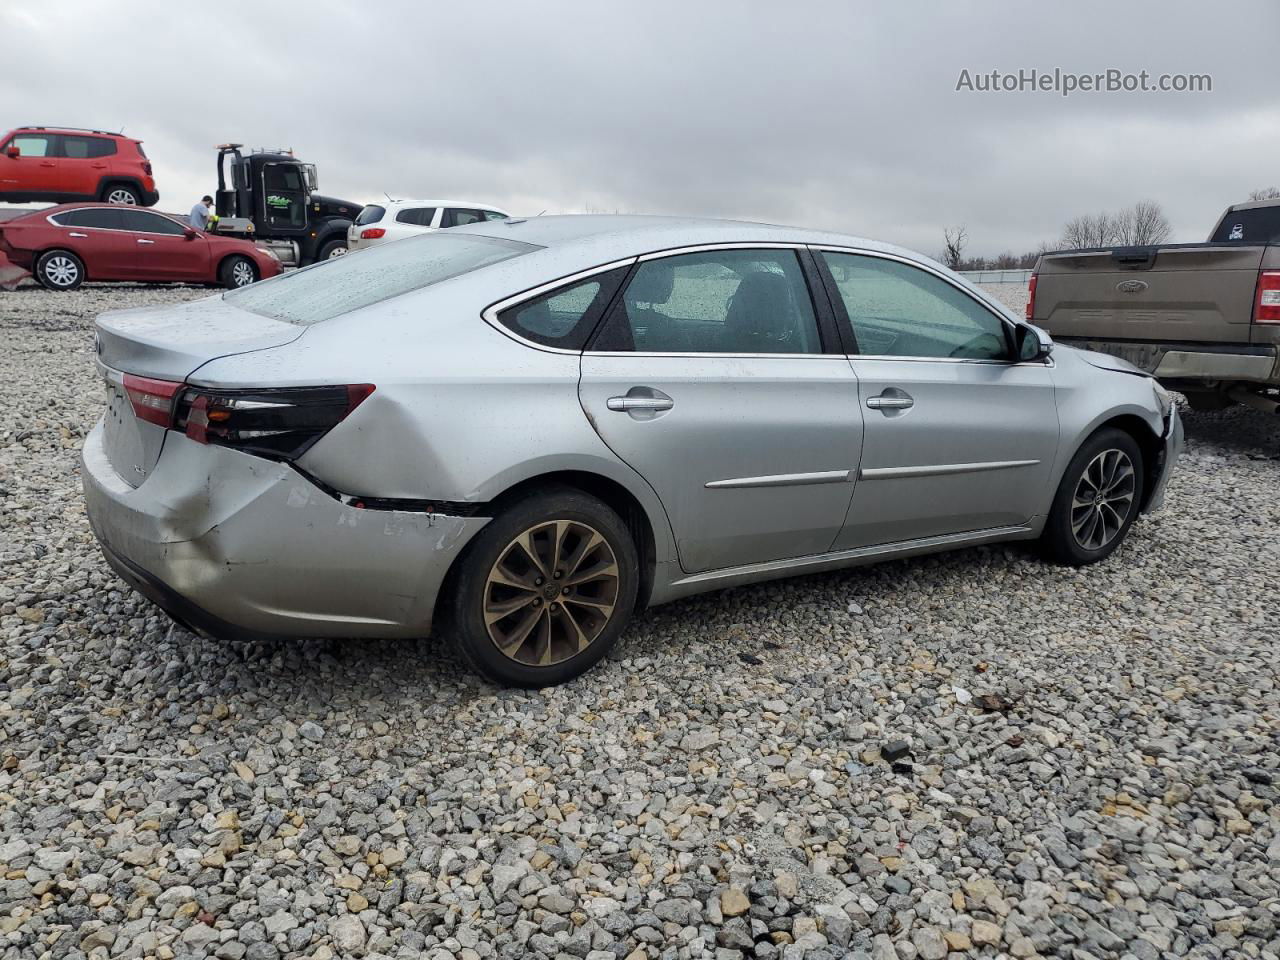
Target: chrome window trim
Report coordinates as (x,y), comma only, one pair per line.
(693,355)
(490,313)
(1048,362)
(161,216)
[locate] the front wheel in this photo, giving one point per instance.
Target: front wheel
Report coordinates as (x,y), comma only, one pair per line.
(545,589)
(237,272)
(332,250)
(1097,500)
(60,270)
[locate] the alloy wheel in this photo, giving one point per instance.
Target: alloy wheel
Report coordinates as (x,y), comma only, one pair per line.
(1103,499)
(242,274)
(61,271)
(552,591)
(121,196)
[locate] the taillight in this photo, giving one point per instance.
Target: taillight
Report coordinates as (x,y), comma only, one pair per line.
(372,233)
(146,167)
(281,424)
(1031,297)
(1266,308)
(152,400)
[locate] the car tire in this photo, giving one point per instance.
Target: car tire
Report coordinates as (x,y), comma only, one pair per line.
(121,193)
(237,272)
(332,250)
(59,270)
(565,614)
(1097,501)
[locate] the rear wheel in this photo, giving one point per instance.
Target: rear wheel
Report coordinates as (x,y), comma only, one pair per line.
(121,193)
(332,250)
(237,272)
(545,589)
(60,270)
(1097,500)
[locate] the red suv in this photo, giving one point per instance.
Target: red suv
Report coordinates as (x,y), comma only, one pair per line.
(61,164)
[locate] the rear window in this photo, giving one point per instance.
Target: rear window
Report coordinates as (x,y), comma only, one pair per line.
(102,218)
(1259,225)
(329,289)
(370,214)
(86,148)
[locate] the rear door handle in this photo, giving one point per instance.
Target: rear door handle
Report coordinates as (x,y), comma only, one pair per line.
(625,404)
(82,236)
(146,241)
(883,402)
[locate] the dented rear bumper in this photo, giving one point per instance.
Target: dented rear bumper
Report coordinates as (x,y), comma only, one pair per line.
(234,544)
(11,274)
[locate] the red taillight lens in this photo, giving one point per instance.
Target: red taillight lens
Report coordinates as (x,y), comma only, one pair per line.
(1266,308)
(146,167)
(372,233)
(152,400)
(1031,297)
(279,424)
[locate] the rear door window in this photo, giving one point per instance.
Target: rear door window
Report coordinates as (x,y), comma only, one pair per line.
(139,221)
(331,288)
(98,218)
(370,214)
(457,217)
(87,148)
(417,216)
(722,301)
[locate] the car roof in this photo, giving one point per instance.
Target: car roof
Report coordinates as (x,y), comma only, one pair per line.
(1254,205)
(74,131)
(468,204)
(623,235)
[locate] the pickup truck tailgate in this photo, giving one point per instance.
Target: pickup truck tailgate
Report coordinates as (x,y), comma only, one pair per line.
(1183,293)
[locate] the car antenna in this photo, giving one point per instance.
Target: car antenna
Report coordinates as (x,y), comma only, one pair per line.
(541,212)
(388,196)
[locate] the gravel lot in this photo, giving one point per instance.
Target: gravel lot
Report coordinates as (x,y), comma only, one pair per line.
(973,753)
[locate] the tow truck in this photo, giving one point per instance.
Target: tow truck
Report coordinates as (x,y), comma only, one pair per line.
(269,196)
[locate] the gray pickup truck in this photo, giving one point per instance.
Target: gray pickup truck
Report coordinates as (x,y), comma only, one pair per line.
(1204,318)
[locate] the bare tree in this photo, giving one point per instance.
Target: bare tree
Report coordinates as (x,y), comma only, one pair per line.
(1266,193)
(1142,224)
(1089,230)
(955,239)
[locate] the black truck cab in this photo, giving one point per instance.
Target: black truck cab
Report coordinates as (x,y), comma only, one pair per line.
(269,196)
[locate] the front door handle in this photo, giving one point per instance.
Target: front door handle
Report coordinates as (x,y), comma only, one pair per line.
(627,404)
(82,236)
(146,241)
(890,402)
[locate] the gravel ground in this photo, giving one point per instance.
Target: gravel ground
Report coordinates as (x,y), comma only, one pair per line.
(972,753)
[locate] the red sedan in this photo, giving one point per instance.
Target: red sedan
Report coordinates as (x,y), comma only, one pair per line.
(66,245)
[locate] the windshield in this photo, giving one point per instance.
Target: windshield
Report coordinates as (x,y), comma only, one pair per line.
(334,287)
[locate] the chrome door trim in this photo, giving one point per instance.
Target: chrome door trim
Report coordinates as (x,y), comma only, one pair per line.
(727,245)
(750,573)
(691,355)
(781,480)
(941,469)
(1047,362)
(490,313)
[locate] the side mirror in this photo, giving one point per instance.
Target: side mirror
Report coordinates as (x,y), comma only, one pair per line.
(13,152)
(188,234)
(1034,344)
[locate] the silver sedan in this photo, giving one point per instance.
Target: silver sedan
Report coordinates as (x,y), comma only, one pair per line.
(532,429)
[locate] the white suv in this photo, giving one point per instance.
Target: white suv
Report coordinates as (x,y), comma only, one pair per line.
(397,219)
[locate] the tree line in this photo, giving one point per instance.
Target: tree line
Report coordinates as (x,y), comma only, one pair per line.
(1139,225)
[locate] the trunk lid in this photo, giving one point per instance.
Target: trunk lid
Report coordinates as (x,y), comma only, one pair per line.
(1189,293)
(167,343)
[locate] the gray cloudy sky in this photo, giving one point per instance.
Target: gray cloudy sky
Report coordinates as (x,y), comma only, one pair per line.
(837,115)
